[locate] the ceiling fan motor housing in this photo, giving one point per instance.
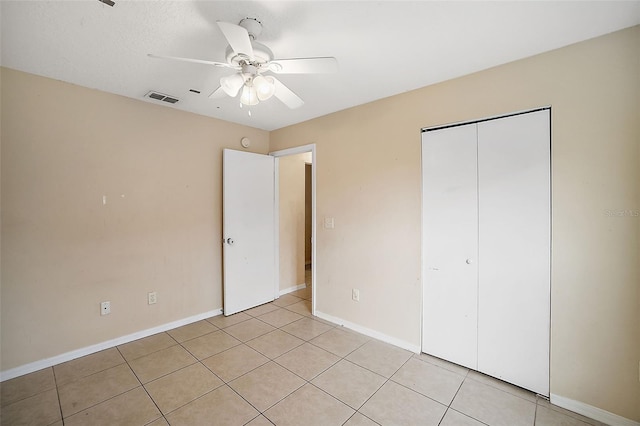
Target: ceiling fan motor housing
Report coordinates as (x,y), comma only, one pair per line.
(253,27)
(261,55)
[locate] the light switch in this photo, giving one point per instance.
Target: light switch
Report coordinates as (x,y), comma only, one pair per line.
(328,223)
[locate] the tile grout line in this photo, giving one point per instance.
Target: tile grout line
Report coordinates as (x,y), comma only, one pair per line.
(282,366)
(245,424)
(243,374)
(501,389)
(488,383)
(206,393)
(305,380)
(457,391)
(272,405)
(467,377)
(358,412)
(227,383)
(55,382)
(230,325)
(342,358)
(224,382)
(30,396)
(466,415)
(444,415)
(421,394)
(162,414)
(154,403)
(101,402)
(304,341)
(193,400)
(284,331)
(381,386)
(147,354)
(449,407)
(355,410)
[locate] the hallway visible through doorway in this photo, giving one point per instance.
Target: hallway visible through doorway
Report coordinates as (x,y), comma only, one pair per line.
(295,218)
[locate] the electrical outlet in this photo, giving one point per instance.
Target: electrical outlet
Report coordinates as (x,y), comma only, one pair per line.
(355,294)
(152,297)
(105,308)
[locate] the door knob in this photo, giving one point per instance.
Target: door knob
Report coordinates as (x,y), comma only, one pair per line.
(469,261)
(230,241)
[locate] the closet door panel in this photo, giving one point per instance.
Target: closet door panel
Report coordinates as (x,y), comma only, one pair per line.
(450,229)
(514,246)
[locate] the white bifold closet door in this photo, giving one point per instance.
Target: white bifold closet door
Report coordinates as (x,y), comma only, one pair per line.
(514,234)
(450,222)
(486,236)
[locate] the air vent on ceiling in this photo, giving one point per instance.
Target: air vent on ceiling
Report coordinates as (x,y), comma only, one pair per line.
(161,97)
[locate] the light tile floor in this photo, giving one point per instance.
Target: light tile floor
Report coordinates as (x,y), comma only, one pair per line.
(274,364)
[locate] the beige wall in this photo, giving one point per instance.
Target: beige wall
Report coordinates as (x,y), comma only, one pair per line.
(292,219)
(594,90)
(63,251)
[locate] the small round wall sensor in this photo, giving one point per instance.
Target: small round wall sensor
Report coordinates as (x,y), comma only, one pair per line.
(245,142)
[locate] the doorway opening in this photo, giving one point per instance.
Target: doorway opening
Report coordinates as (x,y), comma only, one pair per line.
(295,226)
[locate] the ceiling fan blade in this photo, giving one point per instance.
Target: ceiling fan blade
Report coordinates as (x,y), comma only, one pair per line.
(238,38)
(285,94)
(218,94)
(197,61)
(324,65)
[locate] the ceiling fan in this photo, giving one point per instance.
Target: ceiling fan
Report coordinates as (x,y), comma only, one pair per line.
(252,60)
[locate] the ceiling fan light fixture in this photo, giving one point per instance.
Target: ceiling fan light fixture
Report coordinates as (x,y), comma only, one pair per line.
(265,87)
(250,60)
(231,84)
(249,95)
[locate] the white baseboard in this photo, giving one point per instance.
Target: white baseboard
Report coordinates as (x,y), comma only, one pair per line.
(592,412)
(369,332)
(292,289)
(68,356)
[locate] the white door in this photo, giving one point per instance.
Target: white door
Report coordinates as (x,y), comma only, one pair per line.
(514,236)
(248,230)
(486,247)
(450,224)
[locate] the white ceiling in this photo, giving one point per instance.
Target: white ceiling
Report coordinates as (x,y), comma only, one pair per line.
(383,47)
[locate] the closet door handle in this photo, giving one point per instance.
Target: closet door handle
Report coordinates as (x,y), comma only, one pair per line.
(469,261)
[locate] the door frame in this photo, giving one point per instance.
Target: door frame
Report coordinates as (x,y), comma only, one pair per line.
(284,153)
